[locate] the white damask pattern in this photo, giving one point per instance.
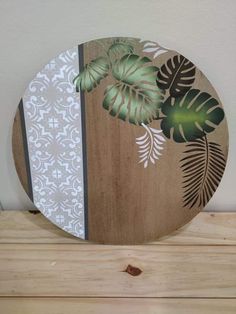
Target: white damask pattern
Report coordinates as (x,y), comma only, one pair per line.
(54,135)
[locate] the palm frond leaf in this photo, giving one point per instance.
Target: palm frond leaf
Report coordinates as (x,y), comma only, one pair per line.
(203,167)
(150,145)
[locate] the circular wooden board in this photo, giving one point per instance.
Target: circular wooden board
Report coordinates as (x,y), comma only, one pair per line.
(120,140)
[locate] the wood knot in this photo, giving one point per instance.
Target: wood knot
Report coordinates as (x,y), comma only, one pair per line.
(133,271)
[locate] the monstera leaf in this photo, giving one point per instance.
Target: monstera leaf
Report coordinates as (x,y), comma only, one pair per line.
(191,116)
(135,97)
(118,49)
(203,167)
(92,74)
(177,75)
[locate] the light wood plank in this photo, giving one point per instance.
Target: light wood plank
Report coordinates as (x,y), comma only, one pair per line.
(116,306)
(96,270)
(204,229)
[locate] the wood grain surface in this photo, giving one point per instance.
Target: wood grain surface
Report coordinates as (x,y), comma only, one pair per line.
(44,270)
(94,270)
(204,229)
(116,306)
(128,203)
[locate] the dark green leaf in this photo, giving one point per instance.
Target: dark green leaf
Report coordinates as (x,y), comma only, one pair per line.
(190,116)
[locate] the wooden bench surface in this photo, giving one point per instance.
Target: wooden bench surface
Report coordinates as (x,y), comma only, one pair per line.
(44,270)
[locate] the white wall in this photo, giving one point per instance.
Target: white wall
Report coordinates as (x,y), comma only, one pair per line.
(34,31)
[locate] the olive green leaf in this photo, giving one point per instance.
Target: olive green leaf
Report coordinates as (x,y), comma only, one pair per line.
(92,74)
(118,49)
(190,116)
(135,97)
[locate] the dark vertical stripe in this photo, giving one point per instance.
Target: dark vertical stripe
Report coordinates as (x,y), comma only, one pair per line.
(83,124)
(26,151)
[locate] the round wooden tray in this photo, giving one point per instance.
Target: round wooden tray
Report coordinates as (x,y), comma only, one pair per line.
(120,140)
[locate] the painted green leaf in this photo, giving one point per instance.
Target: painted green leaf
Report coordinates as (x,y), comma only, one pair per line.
(92,74)
(118,49)
(191,116)
(135,97)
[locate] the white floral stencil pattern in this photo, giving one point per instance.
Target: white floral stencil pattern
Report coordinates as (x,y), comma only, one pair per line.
(54,135)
